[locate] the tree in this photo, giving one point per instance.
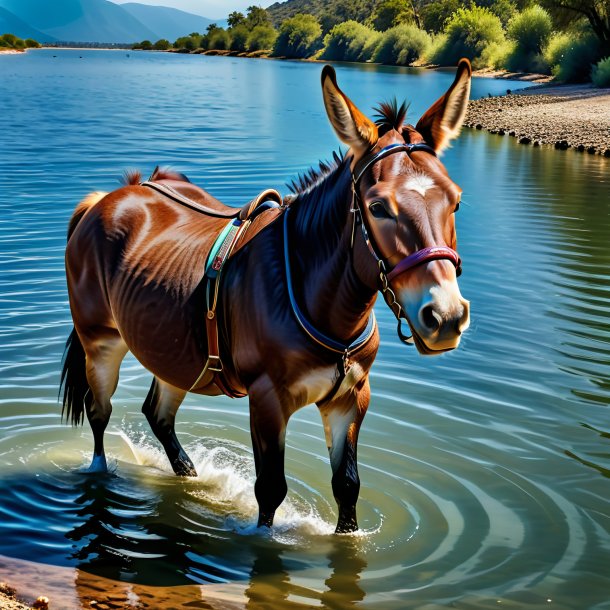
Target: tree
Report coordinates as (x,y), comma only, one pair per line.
(235,18)
(256,15)
(146,45)
(596,11)
(239,37)
(389,13)
(262,37)
(211,27)
(219,39)
(299,36)
(30,43)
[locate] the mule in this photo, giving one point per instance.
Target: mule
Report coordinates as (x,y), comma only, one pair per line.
(295,322)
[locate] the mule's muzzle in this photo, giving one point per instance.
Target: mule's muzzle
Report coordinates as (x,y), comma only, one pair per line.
(438,319)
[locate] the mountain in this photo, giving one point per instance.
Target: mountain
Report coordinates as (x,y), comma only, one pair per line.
(80,20)
(11,24)
(166,22)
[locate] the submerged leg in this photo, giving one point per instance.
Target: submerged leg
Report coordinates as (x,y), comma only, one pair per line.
(268,430)
(342,419)
(160,408)
(104,354)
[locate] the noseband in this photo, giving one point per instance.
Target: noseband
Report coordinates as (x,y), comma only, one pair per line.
(387,273)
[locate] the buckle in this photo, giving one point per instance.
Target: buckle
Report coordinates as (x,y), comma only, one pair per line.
(214,364)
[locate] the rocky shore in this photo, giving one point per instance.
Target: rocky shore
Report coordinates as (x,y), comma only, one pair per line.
(9,601)
(563,116)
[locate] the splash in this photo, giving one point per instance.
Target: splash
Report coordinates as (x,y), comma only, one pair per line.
(225,480)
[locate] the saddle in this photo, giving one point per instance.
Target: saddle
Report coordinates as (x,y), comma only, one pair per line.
(229,239)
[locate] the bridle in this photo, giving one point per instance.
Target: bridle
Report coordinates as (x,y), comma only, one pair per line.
(387,272)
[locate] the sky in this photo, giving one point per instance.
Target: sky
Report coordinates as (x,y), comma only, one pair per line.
(214,9)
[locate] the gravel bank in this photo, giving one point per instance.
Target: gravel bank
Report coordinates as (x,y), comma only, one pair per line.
(563,116)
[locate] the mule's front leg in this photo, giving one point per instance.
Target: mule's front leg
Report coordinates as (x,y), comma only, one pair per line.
(268,429)
(342,419)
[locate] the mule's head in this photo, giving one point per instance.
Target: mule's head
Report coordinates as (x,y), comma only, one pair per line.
(408,202)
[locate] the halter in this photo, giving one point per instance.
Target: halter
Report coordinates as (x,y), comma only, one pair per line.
(387,273)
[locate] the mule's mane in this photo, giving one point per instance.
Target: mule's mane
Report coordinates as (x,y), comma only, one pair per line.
(313,177)
(390,115)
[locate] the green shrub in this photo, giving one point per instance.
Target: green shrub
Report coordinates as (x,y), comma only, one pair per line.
(10,40)
(162,45)
(469,32)
(219,40)
(497,54)
(146,45)
(556,47)
(239,38)
(349,41)
(530,30)
(189,43)
(600,75)
(299,36)
(30,43)
(261,37)
(402,45)
(4,44)
(576,60)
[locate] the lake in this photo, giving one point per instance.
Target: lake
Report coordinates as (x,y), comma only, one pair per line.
(485,472)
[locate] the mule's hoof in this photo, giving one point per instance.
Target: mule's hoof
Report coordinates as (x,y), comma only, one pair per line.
(265,519)
(184,470)
(98,465)
(347,522)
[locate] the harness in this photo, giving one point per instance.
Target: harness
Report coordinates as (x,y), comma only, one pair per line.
(240,221)
(230,235)
(387,272)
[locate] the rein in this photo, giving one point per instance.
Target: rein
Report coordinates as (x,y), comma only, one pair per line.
(387,273)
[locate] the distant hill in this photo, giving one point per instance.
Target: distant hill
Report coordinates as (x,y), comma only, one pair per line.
(11,24)
(96,21)
(166,22)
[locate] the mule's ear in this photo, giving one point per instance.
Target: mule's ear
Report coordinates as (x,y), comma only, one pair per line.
(352,127)
(443,120)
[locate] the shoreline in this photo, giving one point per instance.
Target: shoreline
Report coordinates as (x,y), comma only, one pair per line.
(562,116)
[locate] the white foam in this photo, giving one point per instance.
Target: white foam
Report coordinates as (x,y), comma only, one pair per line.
(225,478)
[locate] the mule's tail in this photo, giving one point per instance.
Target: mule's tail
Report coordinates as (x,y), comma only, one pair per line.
(82,208)
(77,393)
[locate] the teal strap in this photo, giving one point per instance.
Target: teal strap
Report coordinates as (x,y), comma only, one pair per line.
(226,235)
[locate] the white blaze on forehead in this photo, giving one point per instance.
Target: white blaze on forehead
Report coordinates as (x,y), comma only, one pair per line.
(420,183)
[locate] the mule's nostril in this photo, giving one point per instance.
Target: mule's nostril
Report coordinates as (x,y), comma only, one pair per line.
(430,319)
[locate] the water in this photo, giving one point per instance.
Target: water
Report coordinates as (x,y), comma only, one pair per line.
(485,472)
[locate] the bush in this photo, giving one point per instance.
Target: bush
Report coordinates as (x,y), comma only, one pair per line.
(162,45)
(349,41)
(299,36)
(497,54)
(531,30)
(261,37)
(219,40)
(600,75)
(576,59)
(239,38)
(146,45)
(4,44)
(503,9)
(469,32)
(402,45)
(30,43)
(556,48)
(188,43)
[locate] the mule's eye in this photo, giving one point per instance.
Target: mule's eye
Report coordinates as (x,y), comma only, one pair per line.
(378,210)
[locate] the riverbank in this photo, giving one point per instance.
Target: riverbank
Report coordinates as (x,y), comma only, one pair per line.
(9,601)
(563,116)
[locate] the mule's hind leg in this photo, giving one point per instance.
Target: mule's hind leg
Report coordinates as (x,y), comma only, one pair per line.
(342,420)
(160,409)
(104,353)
